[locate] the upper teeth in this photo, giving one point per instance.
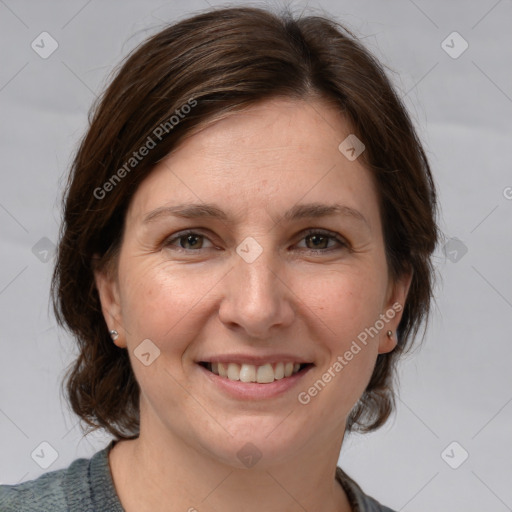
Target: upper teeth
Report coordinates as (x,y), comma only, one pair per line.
(263,374)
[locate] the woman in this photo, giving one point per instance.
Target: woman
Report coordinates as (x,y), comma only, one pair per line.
(244,257)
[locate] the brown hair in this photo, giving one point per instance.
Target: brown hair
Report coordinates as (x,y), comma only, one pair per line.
(217,62)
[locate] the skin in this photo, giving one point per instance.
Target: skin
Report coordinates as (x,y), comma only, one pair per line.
(206,299)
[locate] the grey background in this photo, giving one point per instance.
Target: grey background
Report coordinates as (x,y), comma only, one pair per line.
(458,387)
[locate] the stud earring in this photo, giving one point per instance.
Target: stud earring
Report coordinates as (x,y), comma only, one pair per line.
(114,334)
(390,334)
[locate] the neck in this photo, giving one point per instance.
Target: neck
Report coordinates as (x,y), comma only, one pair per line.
(160,473)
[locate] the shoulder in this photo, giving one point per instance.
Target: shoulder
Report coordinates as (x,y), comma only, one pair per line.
(360,501)
(44,493)
(63,490)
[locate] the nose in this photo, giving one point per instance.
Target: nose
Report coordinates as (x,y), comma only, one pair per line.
(257,298)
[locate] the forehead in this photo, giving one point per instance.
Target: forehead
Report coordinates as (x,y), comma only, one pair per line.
(268,156)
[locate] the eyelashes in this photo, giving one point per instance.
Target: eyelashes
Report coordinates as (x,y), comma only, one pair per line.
(319,237)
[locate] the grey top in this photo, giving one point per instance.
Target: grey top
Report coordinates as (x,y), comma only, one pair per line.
(87,486)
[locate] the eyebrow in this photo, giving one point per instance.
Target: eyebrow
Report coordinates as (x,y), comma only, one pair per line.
(297,212)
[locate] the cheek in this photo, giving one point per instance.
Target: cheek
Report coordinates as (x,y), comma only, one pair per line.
(161,300)
(347,301)
(159,304)
(346,306)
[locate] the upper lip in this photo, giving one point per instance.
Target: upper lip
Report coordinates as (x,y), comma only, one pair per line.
(255,360)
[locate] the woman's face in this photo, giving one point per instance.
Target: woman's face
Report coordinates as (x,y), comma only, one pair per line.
(266,279)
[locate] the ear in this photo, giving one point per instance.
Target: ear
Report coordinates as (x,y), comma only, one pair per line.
(108,291)
(393,310)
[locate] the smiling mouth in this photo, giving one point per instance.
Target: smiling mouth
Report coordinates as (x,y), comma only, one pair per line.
(262,374)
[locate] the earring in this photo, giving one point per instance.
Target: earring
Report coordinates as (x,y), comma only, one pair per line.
(114,334)
(390,334)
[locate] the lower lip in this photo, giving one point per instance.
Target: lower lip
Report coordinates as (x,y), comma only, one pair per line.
(254,390)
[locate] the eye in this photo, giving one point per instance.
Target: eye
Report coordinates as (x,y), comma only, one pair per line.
(319,238)
(187,240)
(317,241)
